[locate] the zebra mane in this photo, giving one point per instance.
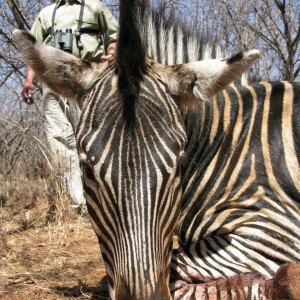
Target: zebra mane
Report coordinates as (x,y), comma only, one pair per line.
(170,42)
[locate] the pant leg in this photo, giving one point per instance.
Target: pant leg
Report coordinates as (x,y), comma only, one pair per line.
(61,119)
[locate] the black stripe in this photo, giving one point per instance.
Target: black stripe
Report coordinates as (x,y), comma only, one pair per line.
(276,143)
(296,121)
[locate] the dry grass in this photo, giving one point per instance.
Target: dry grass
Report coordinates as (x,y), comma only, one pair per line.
(47,251)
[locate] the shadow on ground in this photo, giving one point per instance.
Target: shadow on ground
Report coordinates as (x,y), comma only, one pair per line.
(95,293)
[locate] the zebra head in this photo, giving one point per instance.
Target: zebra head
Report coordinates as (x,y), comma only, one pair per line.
(131,138)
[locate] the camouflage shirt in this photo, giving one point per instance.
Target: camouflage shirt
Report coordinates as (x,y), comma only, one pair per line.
(96,18)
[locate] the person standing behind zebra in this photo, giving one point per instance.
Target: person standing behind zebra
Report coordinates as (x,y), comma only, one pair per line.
(84,28)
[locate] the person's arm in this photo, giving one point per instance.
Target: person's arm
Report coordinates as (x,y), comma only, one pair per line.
(28,85)
(38,32)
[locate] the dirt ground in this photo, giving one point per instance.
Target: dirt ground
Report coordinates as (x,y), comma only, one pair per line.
(48,260)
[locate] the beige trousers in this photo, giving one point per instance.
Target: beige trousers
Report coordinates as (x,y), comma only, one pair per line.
(61,120)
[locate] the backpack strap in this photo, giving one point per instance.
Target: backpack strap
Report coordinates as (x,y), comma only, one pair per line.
(78,31)
(53,17)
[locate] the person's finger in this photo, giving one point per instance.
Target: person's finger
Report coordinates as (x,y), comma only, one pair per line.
(27,95)
(106,57)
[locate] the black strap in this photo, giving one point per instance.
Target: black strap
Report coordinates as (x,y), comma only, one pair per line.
(89,31)
(80,15)
(77,33)
(53,17)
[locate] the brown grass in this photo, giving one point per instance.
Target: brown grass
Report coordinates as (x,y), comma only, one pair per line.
(47,251)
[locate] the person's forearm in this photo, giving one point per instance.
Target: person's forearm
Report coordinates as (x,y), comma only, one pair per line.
(28,85)
(30,75)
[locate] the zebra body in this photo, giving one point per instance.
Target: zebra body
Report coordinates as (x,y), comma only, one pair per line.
(241,192)
(161,157)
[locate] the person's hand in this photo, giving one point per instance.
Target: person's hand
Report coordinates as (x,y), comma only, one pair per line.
(27,92)
(106,57)
(28,86)
(111,50)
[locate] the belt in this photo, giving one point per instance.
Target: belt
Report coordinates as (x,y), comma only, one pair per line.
(89,31)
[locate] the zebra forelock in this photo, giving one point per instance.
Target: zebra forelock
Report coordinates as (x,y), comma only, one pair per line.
(131,55)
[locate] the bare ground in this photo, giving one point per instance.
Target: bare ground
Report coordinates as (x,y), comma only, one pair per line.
(49,258)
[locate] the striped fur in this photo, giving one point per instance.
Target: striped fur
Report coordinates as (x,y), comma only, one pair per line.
(241,191)
(130,168)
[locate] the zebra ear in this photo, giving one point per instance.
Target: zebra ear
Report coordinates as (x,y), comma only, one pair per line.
(64,73)
(203,79)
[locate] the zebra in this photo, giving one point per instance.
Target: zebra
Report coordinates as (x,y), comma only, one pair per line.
(162,156)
